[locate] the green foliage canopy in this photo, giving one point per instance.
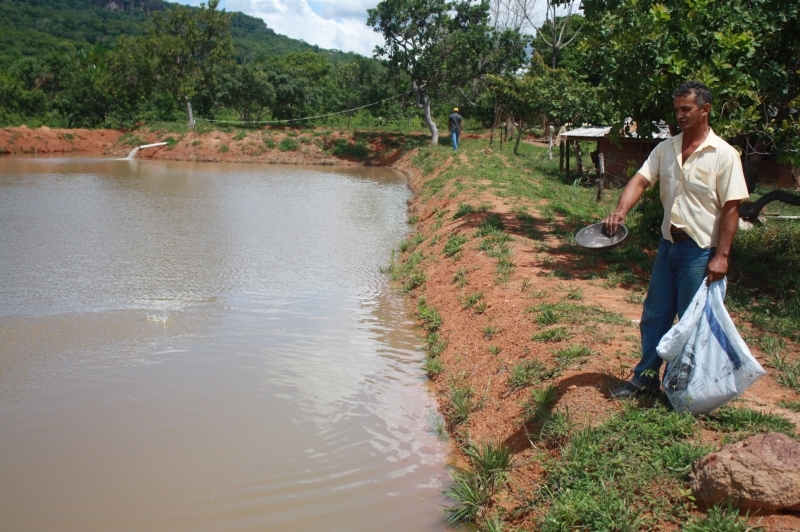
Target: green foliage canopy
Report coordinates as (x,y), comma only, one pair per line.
(442,45)
(746,51)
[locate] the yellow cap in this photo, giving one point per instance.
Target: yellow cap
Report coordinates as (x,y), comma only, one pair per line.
(455,109)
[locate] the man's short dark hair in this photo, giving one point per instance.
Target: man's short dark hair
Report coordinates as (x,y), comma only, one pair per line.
(701,93)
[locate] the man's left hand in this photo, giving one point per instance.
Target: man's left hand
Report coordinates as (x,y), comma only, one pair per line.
(717,268)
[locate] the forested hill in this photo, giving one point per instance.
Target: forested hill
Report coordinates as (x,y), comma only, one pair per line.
(40,27)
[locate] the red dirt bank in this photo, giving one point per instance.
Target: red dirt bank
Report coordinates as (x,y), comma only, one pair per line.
(209,146)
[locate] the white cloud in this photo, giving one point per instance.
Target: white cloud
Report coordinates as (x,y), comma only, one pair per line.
(339,24)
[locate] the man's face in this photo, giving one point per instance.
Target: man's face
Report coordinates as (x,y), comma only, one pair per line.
(690,116)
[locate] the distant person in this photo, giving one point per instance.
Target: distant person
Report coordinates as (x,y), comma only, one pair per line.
(456,124)
(702,184)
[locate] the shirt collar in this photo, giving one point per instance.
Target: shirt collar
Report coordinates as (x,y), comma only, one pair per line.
(712,141)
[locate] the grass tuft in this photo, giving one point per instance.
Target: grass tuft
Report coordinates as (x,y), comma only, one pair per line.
(454,244)
(572,352)
(460,403)
(528,372)
(556,334)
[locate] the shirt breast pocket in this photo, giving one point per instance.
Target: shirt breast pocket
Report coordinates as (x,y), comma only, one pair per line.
(702,181)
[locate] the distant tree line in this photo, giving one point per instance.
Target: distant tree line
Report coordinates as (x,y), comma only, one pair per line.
(174,55)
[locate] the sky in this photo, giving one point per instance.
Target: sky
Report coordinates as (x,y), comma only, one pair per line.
(333,24)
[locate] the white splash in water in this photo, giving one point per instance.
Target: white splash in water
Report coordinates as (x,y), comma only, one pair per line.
(163,318)
(132,154)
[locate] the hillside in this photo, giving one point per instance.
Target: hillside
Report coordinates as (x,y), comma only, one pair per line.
(40,27)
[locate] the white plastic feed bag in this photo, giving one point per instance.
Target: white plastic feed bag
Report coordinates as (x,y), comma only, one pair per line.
(708,362)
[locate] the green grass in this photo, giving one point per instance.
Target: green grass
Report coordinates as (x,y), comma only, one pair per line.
(556,334)
(540,401)
(575,293)
(472,299)
(576,313)
(547,316)
(224,148)
(463,210)
(739,423)
(489,461)
(794,406)
(472,490)
(617,476)
(288,144)
(573,352)
(430,317)
(527,373)
(491,225)
(721,519)
(495,349)
(411,244)
(460,278)
(472,497)
(434,345)
(408,273)
(460,403)
(489,331)
(433,366)
(454,244)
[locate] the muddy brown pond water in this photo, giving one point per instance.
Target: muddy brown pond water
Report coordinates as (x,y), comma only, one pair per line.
(208,347)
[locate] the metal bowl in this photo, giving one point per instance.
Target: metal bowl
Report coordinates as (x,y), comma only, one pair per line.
(595,237)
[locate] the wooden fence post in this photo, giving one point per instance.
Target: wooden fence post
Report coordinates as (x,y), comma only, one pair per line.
(601,177)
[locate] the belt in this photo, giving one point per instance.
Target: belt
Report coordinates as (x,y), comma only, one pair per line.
(679,236)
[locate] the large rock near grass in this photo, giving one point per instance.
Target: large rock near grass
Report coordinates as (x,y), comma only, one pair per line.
(760,472)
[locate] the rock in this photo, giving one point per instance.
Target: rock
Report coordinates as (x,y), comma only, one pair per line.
(761,472)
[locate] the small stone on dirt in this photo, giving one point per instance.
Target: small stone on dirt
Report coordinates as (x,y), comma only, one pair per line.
(761,472)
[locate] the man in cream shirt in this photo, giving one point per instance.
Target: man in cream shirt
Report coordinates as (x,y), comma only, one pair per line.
(701,186)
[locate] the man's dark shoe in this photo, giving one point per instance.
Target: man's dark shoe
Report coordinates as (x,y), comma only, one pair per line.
(630,389)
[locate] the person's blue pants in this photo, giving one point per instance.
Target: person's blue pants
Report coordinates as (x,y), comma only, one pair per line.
(454,136)
(677,273)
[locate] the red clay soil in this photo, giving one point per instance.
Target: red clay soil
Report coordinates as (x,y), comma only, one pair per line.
(583,387)
(44,140)
(212,146)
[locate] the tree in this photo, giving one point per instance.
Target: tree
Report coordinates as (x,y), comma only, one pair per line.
(442,45)
(550,95)
(558,30)
(187,46)
(301,80)
(246,90)
(746,51)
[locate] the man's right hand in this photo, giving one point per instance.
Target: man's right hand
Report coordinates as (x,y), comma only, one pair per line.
(612,222)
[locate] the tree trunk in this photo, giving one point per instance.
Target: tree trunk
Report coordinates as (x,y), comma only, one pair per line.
(426,107)
(519,136)
(423,101)
(578,161)
(189,110)
(750,211)
(752,163)
(494,124)
(549,139)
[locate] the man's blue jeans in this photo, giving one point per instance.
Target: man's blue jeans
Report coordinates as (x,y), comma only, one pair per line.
(454,135)
(677,273)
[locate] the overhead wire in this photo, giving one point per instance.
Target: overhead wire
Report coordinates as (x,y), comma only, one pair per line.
(306,117)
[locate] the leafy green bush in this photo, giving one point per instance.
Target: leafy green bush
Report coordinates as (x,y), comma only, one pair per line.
(289,144)
(343,148)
